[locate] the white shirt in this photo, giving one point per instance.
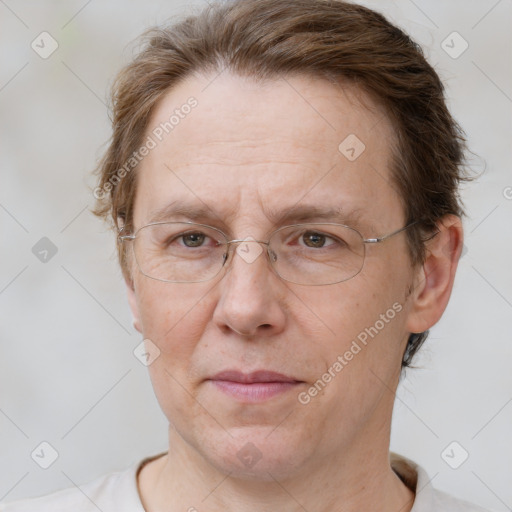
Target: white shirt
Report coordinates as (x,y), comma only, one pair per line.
(118,492)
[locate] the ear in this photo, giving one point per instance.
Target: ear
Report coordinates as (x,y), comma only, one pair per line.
(433,282)
(132,300)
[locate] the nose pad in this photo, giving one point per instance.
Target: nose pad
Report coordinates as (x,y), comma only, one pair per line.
(273,255)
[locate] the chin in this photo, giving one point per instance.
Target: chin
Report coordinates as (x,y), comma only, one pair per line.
(262,453)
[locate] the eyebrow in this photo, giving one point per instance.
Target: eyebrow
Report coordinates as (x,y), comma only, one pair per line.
(180,209)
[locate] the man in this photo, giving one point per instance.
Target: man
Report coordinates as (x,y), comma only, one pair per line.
(283,175)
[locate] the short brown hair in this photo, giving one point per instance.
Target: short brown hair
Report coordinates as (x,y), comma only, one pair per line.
(329,39)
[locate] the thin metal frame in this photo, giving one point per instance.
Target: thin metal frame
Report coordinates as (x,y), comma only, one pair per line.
(375,240)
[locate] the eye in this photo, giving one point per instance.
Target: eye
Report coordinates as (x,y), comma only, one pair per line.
(180,238)
(316,239)
(190,239)
(193,239)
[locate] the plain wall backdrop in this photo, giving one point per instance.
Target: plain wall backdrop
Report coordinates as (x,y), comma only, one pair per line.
(68,375)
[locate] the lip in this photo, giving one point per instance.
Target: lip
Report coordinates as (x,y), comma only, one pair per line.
(259,376)
(256,386)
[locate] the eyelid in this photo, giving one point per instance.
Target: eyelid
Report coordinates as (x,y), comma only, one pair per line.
(304,225)
(198,227)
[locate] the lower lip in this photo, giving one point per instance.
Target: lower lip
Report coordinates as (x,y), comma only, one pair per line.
(255,392)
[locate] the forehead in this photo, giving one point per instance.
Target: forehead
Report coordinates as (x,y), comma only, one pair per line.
(238,109)
(266,142)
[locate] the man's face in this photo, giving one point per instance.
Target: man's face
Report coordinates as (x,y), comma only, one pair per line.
(244,151)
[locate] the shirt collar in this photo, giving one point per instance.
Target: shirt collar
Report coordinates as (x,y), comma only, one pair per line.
(417,479)
(411,474)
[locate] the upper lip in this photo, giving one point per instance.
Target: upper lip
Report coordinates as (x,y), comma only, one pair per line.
(250,378)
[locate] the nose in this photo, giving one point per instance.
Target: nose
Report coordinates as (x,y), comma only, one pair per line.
(251,295)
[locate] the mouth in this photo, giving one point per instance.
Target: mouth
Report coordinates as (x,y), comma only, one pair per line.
(257,386)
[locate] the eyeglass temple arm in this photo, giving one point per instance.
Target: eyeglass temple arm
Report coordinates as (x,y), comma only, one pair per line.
(122,237)
(389,235)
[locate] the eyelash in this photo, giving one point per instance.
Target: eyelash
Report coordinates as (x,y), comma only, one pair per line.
(299,236)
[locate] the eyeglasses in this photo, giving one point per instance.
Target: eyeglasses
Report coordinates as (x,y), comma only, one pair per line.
(307,254)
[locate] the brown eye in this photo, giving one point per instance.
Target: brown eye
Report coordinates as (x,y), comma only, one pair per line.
(315,240)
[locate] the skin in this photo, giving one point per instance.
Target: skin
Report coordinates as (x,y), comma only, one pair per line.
(247,148)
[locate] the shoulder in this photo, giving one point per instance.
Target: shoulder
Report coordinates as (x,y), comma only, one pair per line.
(427,498)
(109,493)
(446,503)
(100,493)
(60,501)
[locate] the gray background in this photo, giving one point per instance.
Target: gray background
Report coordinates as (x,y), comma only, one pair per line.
(68,375)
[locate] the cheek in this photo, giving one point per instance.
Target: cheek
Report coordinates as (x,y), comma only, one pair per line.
(173,319)
(365,316)
(172,314)
(356,353)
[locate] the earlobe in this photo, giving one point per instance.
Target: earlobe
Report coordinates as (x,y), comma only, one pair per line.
(434,280)
(132,301)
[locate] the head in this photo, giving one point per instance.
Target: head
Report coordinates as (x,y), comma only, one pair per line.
(250,109)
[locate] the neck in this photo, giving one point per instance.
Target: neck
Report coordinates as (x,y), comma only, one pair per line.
(360,479)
